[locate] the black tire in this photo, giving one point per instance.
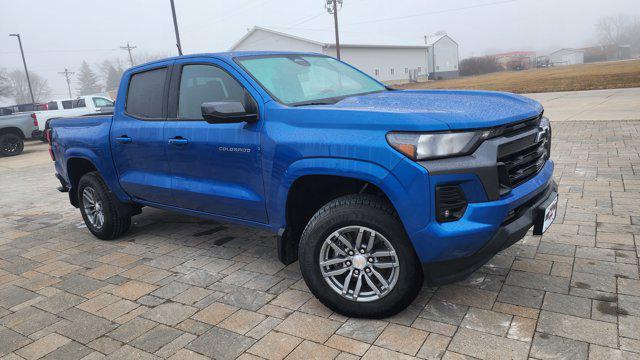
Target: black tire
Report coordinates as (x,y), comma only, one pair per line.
(117,216)
(375,213)
(11,145)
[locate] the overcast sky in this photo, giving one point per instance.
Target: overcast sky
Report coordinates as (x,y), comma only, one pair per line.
(62,33)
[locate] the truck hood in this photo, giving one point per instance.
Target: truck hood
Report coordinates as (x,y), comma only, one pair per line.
(456,109)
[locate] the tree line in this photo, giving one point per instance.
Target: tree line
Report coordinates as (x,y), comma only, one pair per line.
(611,32)
(103,77)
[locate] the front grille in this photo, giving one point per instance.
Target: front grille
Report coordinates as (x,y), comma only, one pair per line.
(522,159)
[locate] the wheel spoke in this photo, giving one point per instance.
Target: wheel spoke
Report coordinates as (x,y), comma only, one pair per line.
(336,248)
(347,282)
(372,239)
(371,284)
(378,254)
(333,261)
(345,242)
(386,265)
(335,272)
(356,291)
(382,280)
(359,238)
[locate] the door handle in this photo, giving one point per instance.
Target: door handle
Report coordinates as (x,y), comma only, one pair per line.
(178,141)
(124,139)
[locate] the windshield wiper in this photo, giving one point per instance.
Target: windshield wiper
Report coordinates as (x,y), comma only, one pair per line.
(314,103)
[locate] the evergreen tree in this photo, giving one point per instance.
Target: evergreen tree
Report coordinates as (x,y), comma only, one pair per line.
(88,80)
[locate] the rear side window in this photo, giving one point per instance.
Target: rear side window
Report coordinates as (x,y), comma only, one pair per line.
(67,104)
(52,105)
(144,97)
(79,103)
(102,102)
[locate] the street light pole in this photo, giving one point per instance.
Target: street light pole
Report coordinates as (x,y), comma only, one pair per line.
(24,62)
(175,27)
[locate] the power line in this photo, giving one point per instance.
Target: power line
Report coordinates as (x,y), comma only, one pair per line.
(432,12)
(129,48)
(67,75)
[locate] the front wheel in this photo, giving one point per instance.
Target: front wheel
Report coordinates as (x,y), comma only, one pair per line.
(11,145)
(357,260)
(103,214)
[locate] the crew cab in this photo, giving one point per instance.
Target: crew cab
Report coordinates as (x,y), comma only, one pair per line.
(371,189)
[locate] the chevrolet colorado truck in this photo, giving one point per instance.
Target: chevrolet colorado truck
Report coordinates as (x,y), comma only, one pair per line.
(371,189)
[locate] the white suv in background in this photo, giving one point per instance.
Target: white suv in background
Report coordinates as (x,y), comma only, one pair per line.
(82,105)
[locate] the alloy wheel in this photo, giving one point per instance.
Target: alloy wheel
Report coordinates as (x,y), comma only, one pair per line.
(359,263)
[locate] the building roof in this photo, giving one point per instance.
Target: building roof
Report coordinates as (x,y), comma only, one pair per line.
(325,40)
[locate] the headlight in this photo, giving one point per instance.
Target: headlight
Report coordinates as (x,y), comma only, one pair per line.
(545,124)
(419,146)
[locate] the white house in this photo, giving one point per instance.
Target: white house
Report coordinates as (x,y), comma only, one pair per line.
(388,63)
(443,53)
(567,57)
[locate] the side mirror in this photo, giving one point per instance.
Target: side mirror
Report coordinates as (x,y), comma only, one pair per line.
(227,112)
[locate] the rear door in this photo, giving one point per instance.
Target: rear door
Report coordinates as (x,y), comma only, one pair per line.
(137,139)
(216,167)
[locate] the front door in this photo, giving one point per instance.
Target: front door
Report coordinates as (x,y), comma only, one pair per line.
(137,138)
(216,167)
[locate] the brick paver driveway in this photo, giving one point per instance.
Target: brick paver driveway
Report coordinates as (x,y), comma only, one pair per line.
(183,288)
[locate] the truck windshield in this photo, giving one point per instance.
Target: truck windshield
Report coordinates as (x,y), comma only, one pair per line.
(308,79)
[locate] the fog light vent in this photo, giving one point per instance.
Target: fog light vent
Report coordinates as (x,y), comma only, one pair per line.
(450,203)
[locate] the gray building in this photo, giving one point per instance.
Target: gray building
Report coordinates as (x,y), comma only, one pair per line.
(567,57)
(390,63)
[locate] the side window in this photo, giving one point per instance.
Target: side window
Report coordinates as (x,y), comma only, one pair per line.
(205,83)
(101,102)
(79,103)
(52,105)
(144,97)
(67,104)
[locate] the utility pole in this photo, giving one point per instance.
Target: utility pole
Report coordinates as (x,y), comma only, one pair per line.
(24,62)
(175,27)
(332,8)
(67,74)
(129,48)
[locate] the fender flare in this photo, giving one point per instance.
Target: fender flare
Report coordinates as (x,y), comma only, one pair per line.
(107,171)
(343,167)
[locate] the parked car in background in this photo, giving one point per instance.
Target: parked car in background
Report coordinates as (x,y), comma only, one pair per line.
(371,189)
(14,129)
(83,105)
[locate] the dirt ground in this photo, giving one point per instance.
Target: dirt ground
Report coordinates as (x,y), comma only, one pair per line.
(604,75)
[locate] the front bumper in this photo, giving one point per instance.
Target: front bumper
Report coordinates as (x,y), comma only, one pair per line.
(444,272)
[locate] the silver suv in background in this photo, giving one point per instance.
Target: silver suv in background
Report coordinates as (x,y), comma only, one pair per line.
(14,129)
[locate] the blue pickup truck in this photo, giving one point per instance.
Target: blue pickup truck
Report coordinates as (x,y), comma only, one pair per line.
(373,190)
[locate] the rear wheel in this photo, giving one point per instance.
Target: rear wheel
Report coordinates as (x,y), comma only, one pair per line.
(103,214)
(357,260)
(11,145)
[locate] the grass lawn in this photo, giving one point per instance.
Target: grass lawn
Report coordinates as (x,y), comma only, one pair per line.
(604,75)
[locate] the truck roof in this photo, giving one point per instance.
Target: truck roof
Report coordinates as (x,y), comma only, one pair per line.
(224,55)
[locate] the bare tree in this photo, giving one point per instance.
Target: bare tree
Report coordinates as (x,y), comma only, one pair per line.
(619,30)
(20,87)
(479,65)
(111,71)
(147,57)
(88,80)
(5,84)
